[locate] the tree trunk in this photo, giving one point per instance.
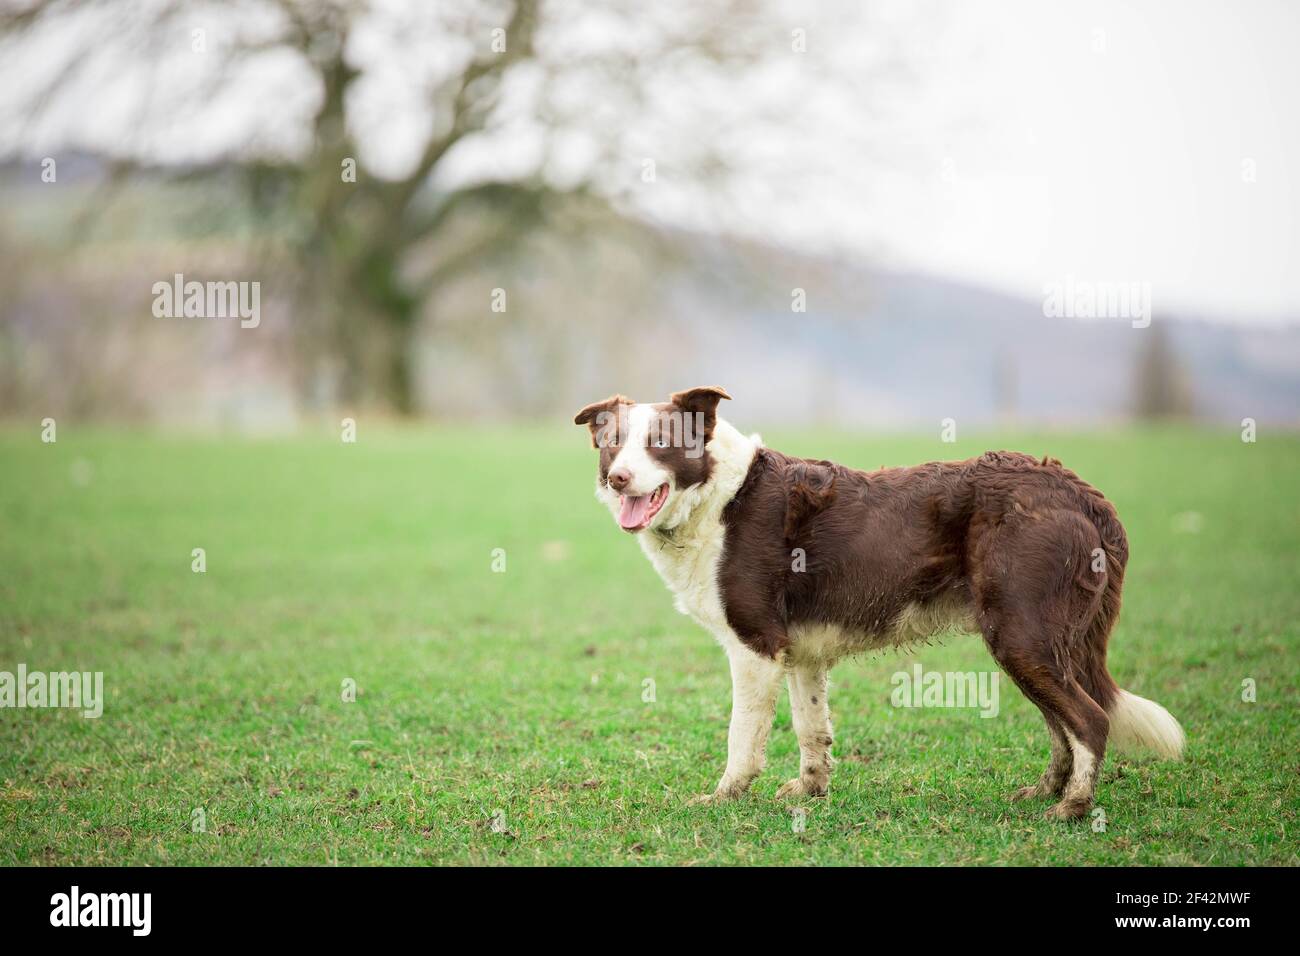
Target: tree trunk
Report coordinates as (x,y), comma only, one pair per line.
(399,375)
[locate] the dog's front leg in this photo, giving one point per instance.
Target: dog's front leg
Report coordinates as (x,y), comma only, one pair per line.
(755,681)
(810,713)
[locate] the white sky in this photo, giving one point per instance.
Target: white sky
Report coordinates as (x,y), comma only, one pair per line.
(1044,139)
(1122,165)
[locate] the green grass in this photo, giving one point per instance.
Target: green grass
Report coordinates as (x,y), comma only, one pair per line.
(521,691)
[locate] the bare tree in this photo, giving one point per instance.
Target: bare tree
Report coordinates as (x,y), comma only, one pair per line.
(519,105)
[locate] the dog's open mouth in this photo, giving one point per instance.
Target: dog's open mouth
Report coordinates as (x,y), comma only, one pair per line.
(637,511)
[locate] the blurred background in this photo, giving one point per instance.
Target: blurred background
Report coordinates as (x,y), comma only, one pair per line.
(862,214)
(894,231)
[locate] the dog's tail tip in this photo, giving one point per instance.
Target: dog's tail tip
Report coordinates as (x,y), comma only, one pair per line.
(1138,724)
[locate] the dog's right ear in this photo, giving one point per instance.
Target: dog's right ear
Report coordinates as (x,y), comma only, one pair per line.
(600,415)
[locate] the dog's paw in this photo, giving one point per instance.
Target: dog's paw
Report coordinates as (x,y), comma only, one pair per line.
(1029,793)
(711,799)
(802,787)
(723,792)
(1067,810)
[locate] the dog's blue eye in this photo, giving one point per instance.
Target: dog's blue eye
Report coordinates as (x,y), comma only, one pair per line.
(661,443)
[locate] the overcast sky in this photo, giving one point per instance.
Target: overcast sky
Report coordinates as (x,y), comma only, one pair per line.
(1113,142)
(1139,141)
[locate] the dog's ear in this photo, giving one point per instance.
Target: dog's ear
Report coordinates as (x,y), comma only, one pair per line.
(703,400)
(598,415)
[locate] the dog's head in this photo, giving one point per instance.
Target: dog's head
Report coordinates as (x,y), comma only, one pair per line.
(652,455)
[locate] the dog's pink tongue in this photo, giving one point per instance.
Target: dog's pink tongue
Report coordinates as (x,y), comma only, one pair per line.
(633,512)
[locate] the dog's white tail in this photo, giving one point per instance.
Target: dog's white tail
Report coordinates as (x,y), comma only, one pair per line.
(1140,724)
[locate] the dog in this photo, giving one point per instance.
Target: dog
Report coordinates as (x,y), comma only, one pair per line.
(794,563)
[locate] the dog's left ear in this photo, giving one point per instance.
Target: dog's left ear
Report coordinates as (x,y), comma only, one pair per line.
(703,400)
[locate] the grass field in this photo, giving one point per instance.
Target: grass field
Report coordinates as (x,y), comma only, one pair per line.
(519,694)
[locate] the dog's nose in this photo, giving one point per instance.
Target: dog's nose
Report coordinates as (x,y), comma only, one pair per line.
(619,478)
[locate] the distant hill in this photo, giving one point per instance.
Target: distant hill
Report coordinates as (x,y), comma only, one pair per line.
(879,347)
(876,347)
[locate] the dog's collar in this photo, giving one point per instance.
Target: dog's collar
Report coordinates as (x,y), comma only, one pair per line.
(665,537)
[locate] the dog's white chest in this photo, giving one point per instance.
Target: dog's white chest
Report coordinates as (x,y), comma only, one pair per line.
(689,566)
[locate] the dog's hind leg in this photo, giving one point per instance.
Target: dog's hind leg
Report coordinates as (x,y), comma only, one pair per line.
(1036,602)
(1052,782)
(755,680)
(811,714)
(1023,650)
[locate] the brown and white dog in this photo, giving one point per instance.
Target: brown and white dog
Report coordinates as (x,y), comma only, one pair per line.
(793,563)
